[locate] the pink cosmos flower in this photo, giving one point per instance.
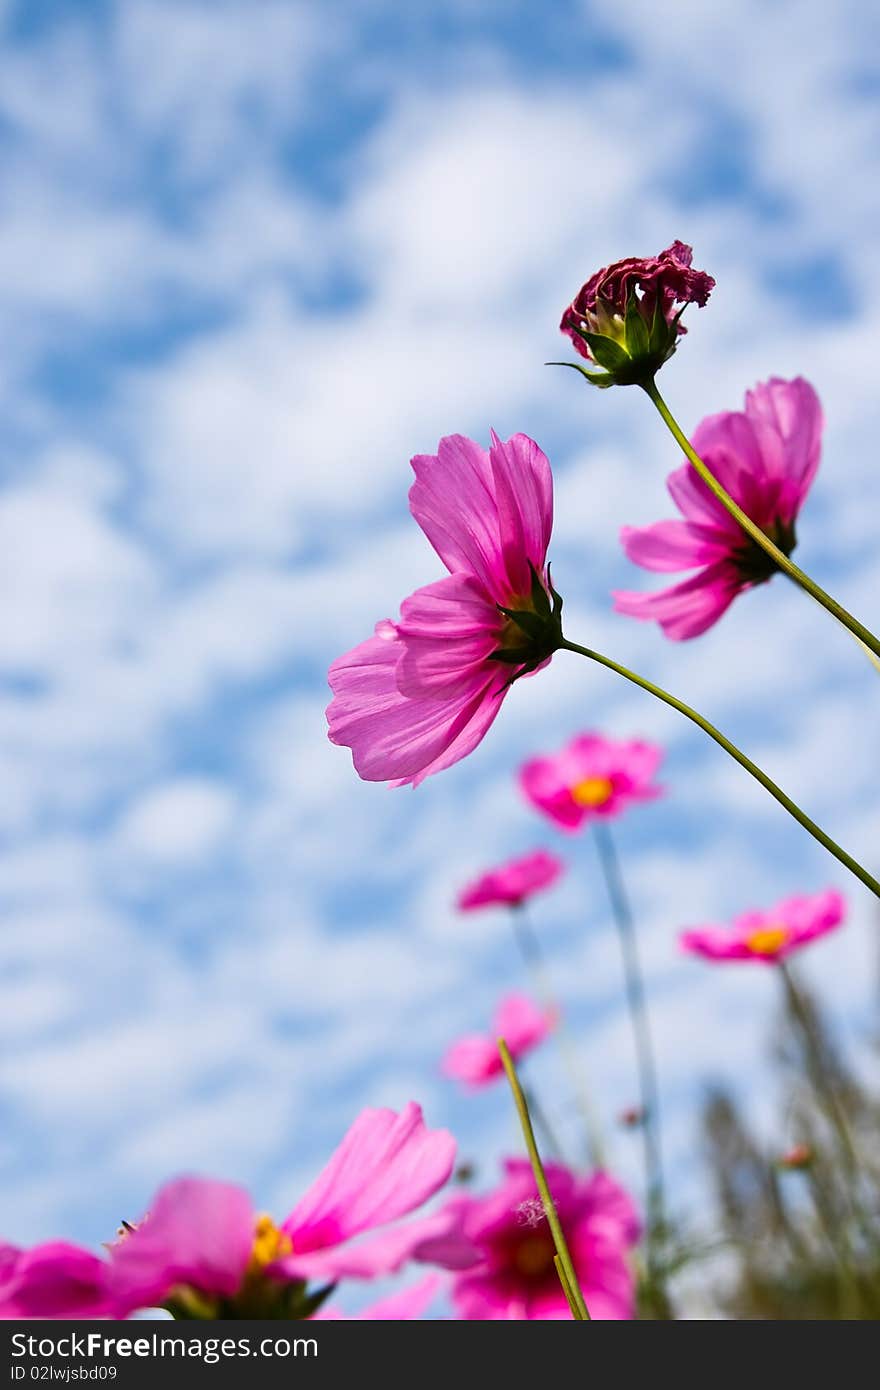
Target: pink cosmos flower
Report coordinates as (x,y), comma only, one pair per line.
(593,777)
(513,883)
(766,457)
(204,1251)
(475,1060)
(516,1277)
(422,692)
(626,317)
(769,936)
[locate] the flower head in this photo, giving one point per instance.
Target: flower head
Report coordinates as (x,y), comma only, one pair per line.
(203,1252)
(769,936)
(475,1060)
(766,458)
(513,883)
(516,1277)
(592,778)
(627,318)
(422,692)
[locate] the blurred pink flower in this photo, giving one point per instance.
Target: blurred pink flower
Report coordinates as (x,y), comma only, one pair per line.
(769,936)
(766,457)
(513,883)
(54,1280)
(475,1060)
(422,692)
(203,1247)
(633,303)
(516,1277)
(593,777)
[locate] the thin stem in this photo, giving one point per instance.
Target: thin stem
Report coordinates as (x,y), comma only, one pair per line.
(533,958)
(649,1091)
(780,559)
(571,1285)
(791,806)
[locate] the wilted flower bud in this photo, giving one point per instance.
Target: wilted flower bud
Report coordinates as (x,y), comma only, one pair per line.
(627,317)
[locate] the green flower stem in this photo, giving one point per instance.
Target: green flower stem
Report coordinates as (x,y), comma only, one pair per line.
(649,1090)
(781,560)
(571,1286)
(740,757)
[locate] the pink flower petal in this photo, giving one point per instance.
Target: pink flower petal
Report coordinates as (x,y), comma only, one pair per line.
(521,1024)
(198,1232)
(512,883)
(473,1060)
(386,1165)
(671,545)
(688,609)
(55,1280)
(394,738)
(435,1239)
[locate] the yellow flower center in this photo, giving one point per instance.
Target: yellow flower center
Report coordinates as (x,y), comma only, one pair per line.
(592,791)
(534,1256)
(270,1244)
(766,941)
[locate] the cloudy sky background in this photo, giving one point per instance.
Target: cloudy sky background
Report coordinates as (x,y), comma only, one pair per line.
(254,255)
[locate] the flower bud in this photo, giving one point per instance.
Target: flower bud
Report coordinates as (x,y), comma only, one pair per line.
(627,318)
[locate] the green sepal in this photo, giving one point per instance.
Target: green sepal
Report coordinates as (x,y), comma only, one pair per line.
(659,339)
(532,624)
(540,599)
(637,337)
(606,352)
(507,656)
(312,1302)
(600,379)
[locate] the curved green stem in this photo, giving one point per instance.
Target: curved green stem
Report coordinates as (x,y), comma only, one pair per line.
(570,1283)
(779,558)
(740,757)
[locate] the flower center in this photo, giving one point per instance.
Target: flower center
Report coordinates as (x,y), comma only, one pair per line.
(592,791)
(270,1244)
(534,1256)
(767,941)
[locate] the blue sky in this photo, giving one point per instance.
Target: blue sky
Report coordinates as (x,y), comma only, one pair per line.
(256,255)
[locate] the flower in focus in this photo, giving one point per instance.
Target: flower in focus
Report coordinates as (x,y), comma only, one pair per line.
(516,1277)
(627,318)
(593,777)
(422,692)
(766,457)
(202,1251)
(769,936)
(475,1060)
(513,883)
